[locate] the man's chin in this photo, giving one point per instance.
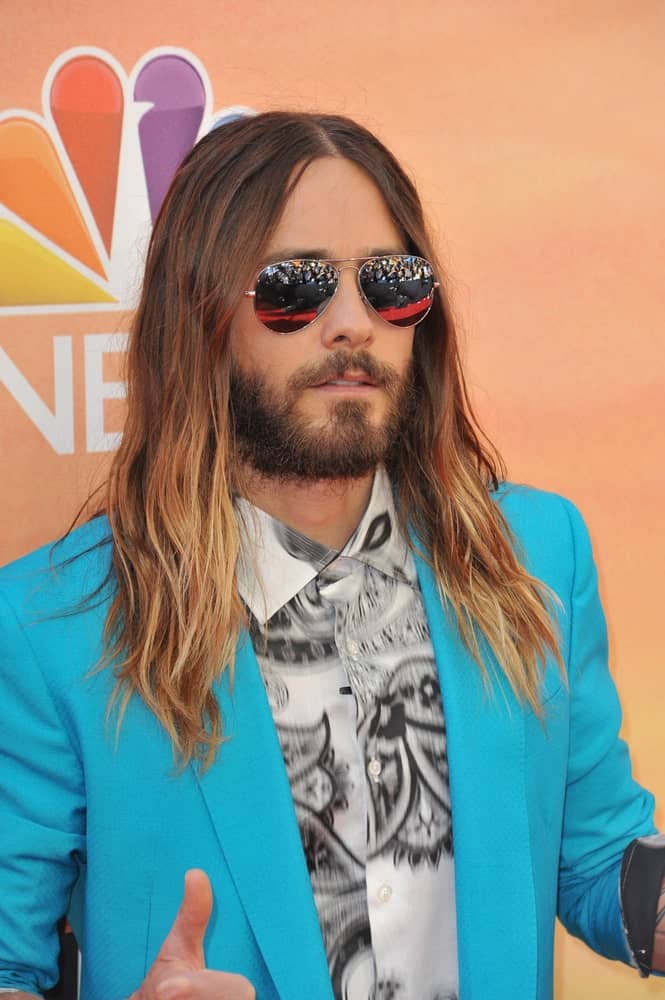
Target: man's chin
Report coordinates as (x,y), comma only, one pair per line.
(338,411)
(325,453)
(313,436)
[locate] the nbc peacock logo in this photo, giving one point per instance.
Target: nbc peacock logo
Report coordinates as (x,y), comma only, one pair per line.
(81,184)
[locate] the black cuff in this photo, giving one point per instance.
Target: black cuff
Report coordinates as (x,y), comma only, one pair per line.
(642,873)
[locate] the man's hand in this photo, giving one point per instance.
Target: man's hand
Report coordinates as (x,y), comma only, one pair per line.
(179,971)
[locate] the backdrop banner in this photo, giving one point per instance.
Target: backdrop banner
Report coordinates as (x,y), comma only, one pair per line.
(537,140)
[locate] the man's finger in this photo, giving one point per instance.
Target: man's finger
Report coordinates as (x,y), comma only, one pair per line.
(185,939)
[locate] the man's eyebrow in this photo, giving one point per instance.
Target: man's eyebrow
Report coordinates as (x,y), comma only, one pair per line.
(322,253)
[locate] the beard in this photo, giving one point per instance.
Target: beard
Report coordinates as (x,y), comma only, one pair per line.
(275,440)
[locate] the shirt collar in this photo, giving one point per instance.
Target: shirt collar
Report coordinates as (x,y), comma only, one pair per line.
(276,561)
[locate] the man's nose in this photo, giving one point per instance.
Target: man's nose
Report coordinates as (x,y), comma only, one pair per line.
(348,320)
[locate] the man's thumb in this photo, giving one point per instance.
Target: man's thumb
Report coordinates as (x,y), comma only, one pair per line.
(185,939)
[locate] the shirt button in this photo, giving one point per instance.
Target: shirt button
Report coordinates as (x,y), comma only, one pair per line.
(374,768)
(352,648)
(385,892)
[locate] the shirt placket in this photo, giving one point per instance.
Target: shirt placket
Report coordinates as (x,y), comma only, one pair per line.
(380,888)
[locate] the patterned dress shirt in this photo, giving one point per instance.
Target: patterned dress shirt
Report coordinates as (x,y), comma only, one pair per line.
(343,645)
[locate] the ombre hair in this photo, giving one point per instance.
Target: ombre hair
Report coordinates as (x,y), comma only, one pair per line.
(176,617)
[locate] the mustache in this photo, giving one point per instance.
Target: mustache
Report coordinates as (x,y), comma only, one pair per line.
(338,363)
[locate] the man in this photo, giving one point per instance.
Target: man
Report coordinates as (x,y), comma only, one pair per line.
(315,640)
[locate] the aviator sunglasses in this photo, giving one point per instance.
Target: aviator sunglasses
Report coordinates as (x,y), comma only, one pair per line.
(291,294)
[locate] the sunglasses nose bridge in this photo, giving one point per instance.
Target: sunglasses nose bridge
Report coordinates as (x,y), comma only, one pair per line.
(352,267)
(346,267)
(339,267)
(347,316)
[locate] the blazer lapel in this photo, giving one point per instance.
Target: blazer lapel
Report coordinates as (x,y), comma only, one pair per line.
(495,904)
(249,800)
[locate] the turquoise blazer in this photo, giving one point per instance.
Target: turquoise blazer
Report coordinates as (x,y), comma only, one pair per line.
(541,811)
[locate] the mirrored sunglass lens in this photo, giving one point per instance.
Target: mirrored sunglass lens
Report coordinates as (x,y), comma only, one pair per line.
(291,294)
(399,288)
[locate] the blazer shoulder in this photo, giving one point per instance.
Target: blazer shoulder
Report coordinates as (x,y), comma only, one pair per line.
(59,575)
(523,504)
(548,528)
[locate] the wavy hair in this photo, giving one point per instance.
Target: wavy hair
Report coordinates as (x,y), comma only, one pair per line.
(175,618)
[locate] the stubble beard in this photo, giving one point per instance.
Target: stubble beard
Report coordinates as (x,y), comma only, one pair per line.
(277,441)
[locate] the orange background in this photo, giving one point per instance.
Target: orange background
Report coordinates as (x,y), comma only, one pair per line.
(536,134)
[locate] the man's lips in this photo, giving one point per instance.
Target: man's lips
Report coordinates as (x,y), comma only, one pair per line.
(350,380)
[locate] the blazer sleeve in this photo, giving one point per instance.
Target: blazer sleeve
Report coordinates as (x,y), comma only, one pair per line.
(604,807)
(42,810)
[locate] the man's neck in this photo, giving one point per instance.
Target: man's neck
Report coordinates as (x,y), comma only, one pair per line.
(327,511)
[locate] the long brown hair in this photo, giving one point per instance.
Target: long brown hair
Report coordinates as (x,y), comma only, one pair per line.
(175,619)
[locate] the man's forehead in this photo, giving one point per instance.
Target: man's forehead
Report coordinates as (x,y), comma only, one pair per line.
(335,210)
